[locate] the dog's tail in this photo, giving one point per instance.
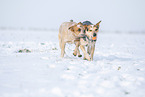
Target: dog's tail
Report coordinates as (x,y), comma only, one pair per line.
(60,37)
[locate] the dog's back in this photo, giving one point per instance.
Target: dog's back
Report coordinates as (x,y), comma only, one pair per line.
(64,27)
(64,33)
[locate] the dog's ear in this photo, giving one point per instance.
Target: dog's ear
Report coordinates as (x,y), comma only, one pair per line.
(71,28)
(85,26)
(98,23)
(80,23)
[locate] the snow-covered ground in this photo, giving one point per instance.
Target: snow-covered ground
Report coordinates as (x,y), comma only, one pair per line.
(118,69)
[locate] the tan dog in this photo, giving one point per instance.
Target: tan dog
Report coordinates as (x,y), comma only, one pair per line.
(70,32)
(91,38)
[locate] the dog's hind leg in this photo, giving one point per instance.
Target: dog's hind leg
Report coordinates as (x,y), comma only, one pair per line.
(89,50)
(62,48)
(60,44)
(59,37)
(92,52)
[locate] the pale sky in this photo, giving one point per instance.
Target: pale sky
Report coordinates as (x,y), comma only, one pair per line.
(116,15)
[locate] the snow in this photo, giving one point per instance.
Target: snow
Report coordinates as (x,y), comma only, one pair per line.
(118,69)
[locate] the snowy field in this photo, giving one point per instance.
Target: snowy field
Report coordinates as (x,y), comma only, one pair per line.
(30,66)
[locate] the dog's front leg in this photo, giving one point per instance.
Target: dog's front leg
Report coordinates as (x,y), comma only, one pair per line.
(89,50)
(92,51)
(77,51)
(86,55)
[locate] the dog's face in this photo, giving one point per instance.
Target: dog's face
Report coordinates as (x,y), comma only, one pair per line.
(91,31)
(78,29)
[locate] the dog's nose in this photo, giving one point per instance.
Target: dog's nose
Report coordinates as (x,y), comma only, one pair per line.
(94,34)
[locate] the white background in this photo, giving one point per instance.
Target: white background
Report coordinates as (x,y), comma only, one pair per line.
(116,15)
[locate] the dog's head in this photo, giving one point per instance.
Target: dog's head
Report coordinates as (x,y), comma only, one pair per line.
(91,31)
(78,29)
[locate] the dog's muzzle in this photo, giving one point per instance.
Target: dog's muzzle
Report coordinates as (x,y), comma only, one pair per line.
(86,38)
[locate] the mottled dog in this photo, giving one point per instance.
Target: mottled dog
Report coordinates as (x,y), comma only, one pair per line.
(91,37)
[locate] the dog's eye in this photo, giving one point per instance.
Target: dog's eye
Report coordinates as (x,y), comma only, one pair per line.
(90,30)
(96,29)
(87,29)
(79,29)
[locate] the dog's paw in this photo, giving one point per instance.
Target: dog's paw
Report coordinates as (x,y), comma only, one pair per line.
(91,59)
(79,55)
(87,58)
(74,54)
